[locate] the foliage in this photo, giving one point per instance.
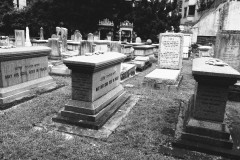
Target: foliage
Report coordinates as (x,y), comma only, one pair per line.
(204,5)
(149,17)
(5,7)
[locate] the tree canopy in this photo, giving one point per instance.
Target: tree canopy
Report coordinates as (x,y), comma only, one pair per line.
(149,17)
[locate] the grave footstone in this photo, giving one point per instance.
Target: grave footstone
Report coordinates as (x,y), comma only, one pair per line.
(19,38)
(205,129)
(90,37)
(86,47)
(96,90)
(23,70)
(54,44)
(138,40)
(169,62)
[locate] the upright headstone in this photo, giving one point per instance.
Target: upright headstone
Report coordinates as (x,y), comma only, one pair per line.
(19,38)
(205,129)
(41,34)
(64,35)
(115,46)
(28,42)
(227,48)
(72,37)
(138,40)
(187,41)
(96,90)
(90,37)
(23,70)
(58,33)
(86,47)
(77,36)
(169,62)
(54,36)
(170,51)
(54,44)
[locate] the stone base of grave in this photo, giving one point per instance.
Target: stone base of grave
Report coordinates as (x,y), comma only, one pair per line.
(95,114)
(60,70)
(127,70)
(163,79)
(204,136)
(54,57)
(19,91)
(234,92)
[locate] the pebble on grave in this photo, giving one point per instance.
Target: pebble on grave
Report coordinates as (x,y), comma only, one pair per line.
(205,129)
(168,73)
(96,90)
(22,70)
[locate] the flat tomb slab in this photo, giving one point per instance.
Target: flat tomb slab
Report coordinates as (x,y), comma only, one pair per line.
(60,70)
(167,76)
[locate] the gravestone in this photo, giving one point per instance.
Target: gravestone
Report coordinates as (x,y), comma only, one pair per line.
(72,37)
(187,41)
(54,36)
(64,35)
(169,63)
(96,90)
(170,51)
(115,46)
(22,70)
(54,44)
(19,38)
(86,47)
(77,36)
(205,129)
(227,48)
(41,34)
(4,41)
(138,40)
(143,50)
(205,51)
(28,42)
(90,37)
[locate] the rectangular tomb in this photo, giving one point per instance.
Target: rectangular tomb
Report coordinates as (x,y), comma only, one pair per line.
(96,90)
(143,50)
(23,69)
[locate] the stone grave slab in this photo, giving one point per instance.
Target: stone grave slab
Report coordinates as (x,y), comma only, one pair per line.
(141,62)
(96,90)
(86,47)
(19,38)
(127,50)
(205,126)
(40,43)
(61,69)
(143,50)
(22,70)
(73,46)
(127,71)
(205,51)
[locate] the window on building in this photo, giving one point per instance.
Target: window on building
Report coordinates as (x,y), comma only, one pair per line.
(185,12)
(191,10)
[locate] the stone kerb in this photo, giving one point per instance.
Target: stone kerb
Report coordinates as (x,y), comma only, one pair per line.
(23,69)
(170,51)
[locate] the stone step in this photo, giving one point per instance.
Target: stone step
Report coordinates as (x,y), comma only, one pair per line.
(200,147)
(100,122)
(228,144)
(210,129)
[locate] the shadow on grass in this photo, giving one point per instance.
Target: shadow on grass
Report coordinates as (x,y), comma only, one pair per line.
(31,96)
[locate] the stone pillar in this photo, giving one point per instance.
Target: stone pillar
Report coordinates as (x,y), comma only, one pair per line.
(41,34)
(96,90)
(28,42)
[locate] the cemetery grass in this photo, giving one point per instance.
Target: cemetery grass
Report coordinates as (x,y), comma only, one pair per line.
(146,132)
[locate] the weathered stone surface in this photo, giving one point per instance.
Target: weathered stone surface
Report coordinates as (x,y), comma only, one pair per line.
(86,47)
(143,50)
(54,44)
(170,50)
(23,69)
(19,38)
(227,48)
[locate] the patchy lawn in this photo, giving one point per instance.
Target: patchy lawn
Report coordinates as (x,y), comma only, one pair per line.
(146,133)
